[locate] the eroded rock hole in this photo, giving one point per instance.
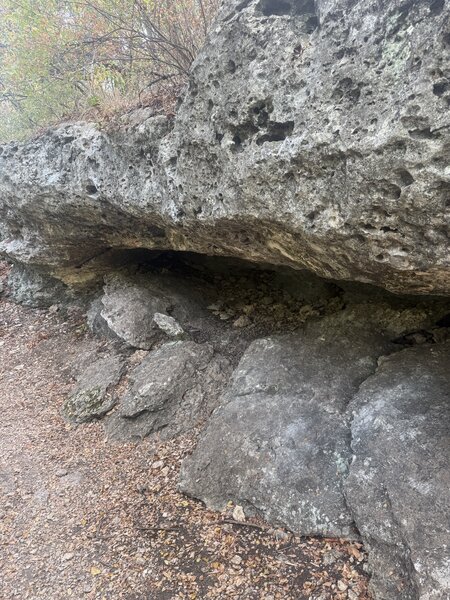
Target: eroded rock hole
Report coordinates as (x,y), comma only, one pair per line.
(91,189)
(297,8)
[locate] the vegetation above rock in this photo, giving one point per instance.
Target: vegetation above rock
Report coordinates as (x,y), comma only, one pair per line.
(64,58)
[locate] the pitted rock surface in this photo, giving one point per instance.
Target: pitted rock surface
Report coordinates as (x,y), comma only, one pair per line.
(313,134)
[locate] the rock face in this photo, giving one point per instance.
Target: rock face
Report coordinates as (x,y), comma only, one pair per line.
(398,487)
(280,440)
(171,391)
(315,433)
(313,134)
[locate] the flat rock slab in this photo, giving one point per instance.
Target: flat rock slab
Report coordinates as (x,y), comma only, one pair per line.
(280,442)
(399,482)
(94,395)
(171,391)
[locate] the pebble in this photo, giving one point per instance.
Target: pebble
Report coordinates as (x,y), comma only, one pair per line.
(236,560)
(239,514)
(68,556)
(342,586)
(61,472)
(281,535)
(242,321)
(215,307)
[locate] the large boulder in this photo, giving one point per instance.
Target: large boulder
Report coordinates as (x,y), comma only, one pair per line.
(399,481)
(314,133)
(324,432)
(280,441)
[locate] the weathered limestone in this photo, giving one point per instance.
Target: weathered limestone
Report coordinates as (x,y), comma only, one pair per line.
(94,394)
(280,441)
(313,134)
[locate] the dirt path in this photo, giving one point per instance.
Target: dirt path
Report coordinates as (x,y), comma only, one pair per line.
(83,518)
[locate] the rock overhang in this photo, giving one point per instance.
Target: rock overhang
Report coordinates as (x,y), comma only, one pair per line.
(322,147)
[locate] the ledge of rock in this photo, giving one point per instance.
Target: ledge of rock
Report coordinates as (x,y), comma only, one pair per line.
(312,134)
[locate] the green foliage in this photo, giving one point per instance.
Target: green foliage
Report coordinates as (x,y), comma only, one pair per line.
(61,58)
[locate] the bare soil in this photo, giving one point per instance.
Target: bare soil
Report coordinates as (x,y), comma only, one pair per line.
(81,517)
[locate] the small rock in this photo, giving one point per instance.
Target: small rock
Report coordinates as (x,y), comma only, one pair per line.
(68,556)
(2,287)
(214,307)
(242,321)
(94,395)
(342,586)
(238,514)
(165,471)
(236,560)
(54,308)
(61,472)
(329,558)
(351,595)
(158,464)
(168,324)
(281,535)
(247,309)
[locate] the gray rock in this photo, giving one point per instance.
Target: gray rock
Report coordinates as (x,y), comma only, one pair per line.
(172,390)
(128,307)
(280,442)
(35,287)
(134,308)
(313,134)
(399,481)
(94,394)
(169,325)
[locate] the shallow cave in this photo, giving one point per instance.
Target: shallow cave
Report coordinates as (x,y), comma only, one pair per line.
(230,301)
(233,300)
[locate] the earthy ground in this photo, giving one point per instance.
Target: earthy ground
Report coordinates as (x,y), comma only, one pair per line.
(81,517)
